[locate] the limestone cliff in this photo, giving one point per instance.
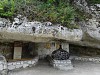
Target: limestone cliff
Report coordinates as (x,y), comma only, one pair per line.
(36,31)
(23,30)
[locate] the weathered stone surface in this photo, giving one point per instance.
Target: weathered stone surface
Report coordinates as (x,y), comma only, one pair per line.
(25,65)
(62,64)
(44,32)
(91,25)
(23,30)
(37,31)
(11,67)
(3,65)
(45,49)
(82,5)
(22,64)
(91,59)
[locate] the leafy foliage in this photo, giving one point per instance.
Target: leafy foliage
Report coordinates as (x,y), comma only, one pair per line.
(56,11)
(6,8)
(62,13)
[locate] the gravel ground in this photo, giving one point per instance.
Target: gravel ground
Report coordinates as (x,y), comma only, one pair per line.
(42,68)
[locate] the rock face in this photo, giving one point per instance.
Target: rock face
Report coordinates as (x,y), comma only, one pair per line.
(82,5)
(23,30)
(35,31)
(3,65)
(90,27)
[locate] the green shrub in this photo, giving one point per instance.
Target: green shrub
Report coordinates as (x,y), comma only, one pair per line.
(47,10)
(56,11)
(6,8)
(62,13)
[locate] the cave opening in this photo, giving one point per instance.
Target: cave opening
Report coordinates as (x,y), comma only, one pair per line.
(76,50)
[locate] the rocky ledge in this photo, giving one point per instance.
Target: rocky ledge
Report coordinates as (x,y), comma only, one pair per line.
(35,31)
(23,30)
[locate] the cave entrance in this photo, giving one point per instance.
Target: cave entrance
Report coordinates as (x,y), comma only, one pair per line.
(16,51)
(29,50)
(76,50)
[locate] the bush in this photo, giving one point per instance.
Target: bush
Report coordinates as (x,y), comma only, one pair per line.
(6,8)
(56,11)
(62,13)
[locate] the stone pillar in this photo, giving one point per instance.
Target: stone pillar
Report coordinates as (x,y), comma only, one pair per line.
(65,46)
(17,50)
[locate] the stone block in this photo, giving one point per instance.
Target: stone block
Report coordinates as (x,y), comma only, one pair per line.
(99,59)
(33,62)
(93,59)
(80,58)
(11,67)
(18,63)
(36,60)
(86,59)
(1,62)
(62,64)
(77,58)
(30,65)
(3,72)
(65,67)
(1,66)
(18,66)
(14,63)
(9,63)
(24,62)
(21,62)
(5,66)
(29,62)
(68,61)
(25,65)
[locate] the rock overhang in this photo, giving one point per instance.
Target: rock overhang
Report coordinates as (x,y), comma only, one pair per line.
(37,32)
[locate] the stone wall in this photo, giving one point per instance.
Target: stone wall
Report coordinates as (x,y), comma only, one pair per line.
(89,59)
(6,49)
(47,48)
(62,64)
(3,65)
(22,64)
(7,66)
